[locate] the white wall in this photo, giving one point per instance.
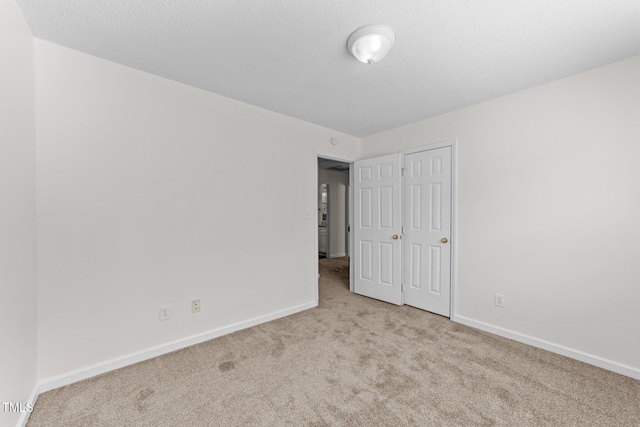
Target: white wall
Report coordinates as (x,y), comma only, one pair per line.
(338,187)
(549,209)
(17,212)
(151,192)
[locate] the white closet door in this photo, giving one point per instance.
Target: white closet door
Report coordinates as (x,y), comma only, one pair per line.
(427,230)
(376,253)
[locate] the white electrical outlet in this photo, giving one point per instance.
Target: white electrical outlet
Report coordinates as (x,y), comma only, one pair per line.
(498,300)
(164,312)
(195,306)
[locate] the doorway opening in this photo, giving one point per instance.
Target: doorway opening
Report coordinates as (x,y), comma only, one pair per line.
(333,217)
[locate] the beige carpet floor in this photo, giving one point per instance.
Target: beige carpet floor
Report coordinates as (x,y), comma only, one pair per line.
(352,361)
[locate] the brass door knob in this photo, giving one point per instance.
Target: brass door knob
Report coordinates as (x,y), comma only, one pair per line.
(444,240)
(395,237)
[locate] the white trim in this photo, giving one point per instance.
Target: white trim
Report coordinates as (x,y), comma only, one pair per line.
(600,362)
(454,225)
(340,255)
(129,359)
(316,240)
(33,397)
(433,146)
(332,156)
(350,221)
(402,224)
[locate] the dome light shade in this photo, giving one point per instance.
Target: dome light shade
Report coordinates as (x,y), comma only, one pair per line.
(371,43)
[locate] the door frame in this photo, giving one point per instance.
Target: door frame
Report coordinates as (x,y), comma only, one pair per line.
(453,240)
(320,154)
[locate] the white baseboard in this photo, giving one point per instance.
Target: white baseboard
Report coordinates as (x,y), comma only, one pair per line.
(129,359)
(24,417)
(337,255)
(600,362)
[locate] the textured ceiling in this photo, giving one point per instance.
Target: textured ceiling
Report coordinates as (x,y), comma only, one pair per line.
(290,56)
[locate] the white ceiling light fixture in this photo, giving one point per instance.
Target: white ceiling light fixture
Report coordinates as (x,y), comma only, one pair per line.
(371,43)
